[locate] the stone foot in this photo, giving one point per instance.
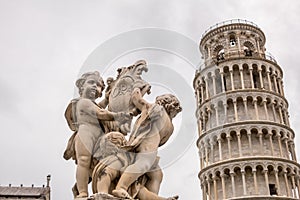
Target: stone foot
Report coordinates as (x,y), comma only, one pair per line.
(121,193)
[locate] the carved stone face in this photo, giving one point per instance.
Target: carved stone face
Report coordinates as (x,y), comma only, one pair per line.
(92,88)
(170,103)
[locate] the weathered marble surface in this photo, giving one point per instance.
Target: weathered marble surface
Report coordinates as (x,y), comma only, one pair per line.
(127,169)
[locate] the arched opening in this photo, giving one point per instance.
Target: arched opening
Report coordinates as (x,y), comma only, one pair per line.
(232,40)
(234,145)
(255,76)
(261,179)
(226,79)
(230,111)
(218,82)
(219,52)
(248,48)
(255,142)
(238,182)
(221,113)
(241,109)
(251,108)
(246,151)
(236,77)
(261,109)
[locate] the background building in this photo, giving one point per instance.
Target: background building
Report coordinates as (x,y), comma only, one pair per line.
(28,193)
(245,143)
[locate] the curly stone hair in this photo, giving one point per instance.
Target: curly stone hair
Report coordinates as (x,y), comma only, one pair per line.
(170,103)
(96,75)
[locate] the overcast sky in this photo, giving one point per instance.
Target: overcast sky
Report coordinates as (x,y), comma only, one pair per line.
(45,45)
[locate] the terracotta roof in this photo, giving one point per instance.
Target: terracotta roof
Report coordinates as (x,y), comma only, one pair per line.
(29,192)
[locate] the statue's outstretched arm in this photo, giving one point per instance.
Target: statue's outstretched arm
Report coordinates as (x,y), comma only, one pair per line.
(92,109)
(137,99)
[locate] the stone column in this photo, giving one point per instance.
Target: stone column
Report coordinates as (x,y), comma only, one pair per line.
(279,143)
(222,80)
(202,158)
(219,139)
(271,143)
(267,180)
(256,110)
(250,143)
(233,183)
(231,79)
(266,109)
(286,183)
(242,77)
(206,88)
(255,181)
(215,187)
(198,98)
(239,144)
(286,147)
(277,182)
(286,116)
(269,80)
(292,147)
(225,112)
(260,78)
(204,121)
(214,84)
(298,186)
(208,188)
(202,91)
(206,154)
(246,107)
(235,111)
(244,182)
(212,158)
(209,118)
(275,83)
(294,185)
(274,111)
(217,114)
(229,144)
(261,143)
(251,77)
(223,185)
(199,124)
(280,86)
(204,197)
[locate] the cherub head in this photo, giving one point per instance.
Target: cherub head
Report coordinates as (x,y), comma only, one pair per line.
(170,103)
(90,85)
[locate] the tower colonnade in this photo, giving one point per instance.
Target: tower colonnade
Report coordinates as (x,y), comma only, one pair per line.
(246,146)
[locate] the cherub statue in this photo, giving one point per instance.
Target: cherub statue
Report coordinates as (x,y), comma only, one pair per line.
(137,159)
(85,117)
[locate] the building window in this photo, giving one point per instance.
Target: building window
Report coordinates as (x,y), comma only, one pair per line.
(273,190)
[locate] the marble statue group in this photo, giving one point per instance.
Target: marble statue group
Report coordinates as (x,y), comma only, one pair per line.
(118,167)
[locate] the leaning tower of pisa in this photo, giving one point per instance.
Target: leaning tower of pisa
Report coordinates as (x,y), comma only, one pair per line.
(246,145)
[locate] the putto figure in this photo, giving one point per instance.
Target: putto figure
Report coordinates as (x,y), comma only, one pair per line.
(85,117)
(117,168)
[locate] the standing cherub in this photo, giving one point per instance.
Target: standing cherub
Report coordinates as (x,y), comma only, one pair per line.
(85,117)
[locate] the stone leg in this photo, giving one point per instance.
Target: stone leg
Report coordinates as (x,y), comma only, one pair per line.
(107,176)
(143,163)
(82,172)
(155,178)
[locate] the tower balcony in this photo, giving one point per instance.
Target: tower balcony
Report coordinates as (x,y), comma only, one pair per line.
(251,178)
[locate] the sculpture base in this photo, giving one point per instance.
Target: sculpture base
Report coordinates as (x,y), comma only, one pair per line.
(101,196)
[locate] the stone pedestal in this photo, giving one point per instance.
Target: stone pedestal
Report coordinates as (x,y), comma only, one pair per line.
(101,196)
